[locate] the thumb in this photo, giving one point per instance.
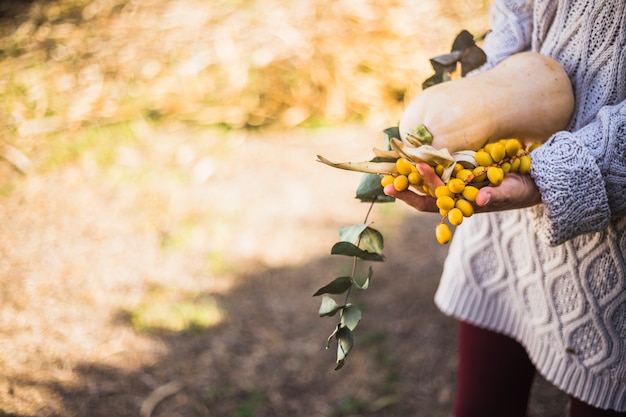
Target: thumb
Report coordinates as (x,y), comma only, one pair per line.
(499,197)
(516,191)
(484,196)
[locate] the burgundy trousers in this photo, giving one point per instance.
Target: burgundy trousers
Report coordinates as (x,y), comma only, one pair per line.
(495,377)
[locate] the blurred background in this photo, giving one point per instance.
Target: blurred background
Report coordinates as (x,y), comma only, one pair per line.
(165,223)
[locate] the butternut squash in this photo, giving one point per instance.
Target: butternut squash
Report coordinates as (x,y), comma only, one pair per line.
(527,96)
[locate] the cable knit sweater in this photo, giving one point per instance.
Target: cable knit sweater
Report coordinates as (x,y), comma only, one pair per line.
(554,276)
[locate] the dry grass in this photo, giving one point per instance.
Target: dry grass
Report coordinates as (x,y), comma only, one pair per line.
(233,63)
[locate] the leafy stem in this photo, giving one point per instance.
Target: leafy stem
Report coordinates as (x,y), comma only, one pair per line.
(355,261)
(362,243)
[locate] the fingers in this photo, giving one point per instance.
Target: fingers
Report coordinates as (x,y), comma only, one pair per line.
(431,179)
(417,201)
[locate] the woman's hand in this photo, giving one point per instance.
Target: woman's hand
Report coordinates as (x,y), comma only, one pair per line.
(516,191)
(417,201)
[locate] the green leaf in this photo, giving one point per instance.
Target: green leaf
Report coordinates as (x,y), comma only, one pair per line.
(383,159)
(329,307)
(368,238)
(351,317)
(350,249)
(352,233)
(330,338)
(338,286)
(363,283)
(345,340)
(391,132)
(370,189)
(372,240)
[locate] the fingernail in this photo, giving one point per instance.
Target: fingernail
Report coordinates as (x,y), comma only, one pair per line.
(419,169)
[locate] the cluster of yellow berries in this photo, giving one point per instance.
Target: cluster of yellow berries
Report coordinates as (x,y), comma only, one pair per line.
(407,175)
(454,198)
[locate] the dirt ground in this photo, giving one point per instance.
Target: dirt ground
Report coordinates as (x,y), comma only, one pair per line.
(84,246)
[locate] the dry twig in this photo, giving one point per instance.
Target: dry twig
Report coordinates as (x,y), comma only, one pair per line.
(159,394)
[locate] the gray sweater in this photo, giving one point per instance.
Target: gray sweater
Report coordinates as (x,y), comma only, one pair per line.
(554,276)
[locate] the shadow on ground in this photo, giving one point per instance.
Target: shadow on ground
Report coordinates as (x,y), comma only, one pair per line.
(267,357)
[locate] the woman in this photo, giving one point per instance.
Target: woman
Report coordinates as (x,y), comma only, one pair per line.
(543,286)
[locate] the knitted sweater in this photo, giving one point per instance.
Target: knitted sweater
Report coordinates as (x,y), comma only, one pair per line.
(554,276)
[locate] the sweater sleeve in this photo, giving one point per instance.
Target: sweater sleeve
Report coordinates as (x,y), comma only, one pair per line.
(511,30)
(581,176)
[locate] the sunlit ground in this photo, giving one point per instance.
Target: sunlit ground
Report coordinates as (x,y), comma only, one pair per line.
(165,223)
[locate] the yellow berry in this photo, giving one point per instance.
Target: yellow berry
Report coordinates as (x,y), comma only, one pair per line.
(443,233)
(457,168)
(465,207)
(524,164)
(483,158)
(443,190)
(512,146)
(386,180)
(455,216)
(506,167)
(497,152)
(403,166)
(515,163)
(401,183)
(415,178)
(495,175)
(480,174)
(445,202)
(465,175)
(469,193)
(534,146)
(456,185)
(439,170)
